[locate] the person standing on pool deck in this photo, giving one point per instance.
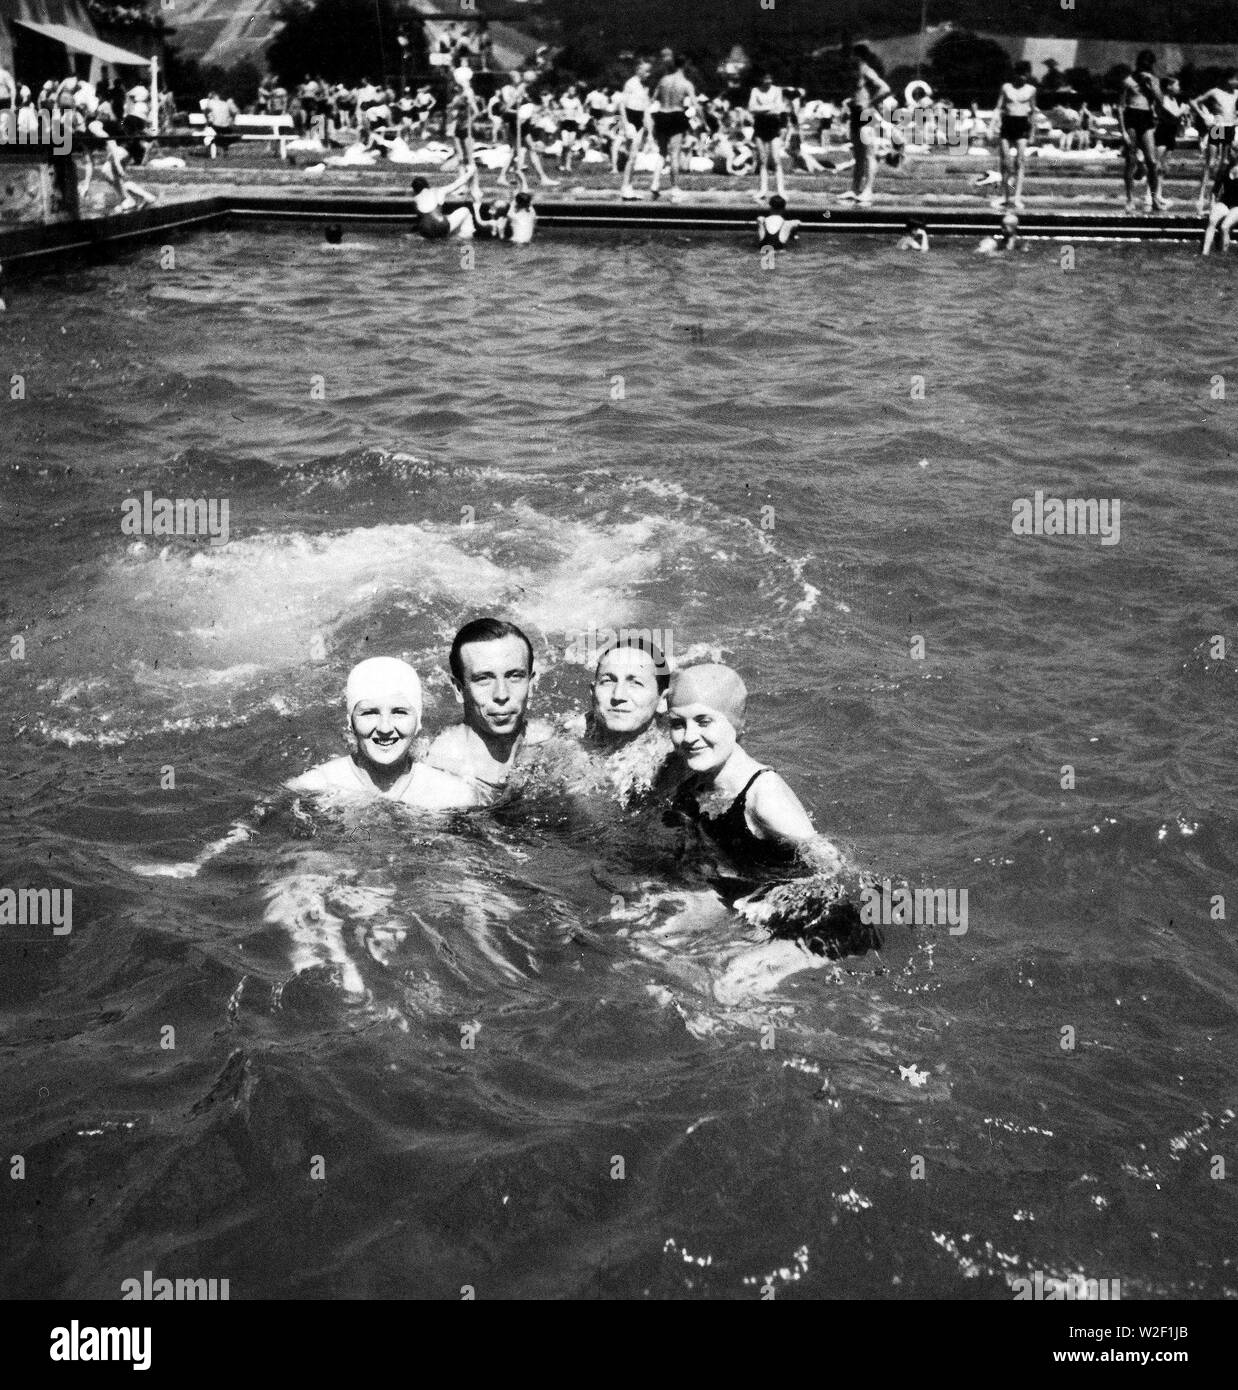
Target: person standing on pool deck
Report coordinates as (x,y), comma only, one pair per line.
(1137,110)
(432,222)
(383,704)
(509,99)
(491,665)
(870,90)
(1217,108)
(672,100)
(461,112)
(769,114)
(742,809)
(634,104)
(1168,129)
(1016,115)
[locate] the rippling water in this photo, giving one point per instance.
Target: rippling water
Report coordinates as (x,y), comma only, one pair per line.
(659,434)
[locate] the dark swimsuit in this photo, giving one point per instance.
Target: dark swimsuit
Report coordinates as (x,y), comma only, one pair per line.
(756,859)
(832,930)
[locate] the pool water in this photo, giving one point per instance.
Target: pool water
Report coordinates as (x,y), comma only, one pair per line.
(413,1054)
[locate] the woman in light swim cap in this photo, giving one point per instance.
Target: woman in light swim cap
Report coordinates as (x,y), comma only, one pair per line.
(744,810)
(383,702)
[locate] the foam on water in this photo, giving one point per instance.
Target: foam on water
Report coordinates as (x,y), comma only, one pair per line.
(185,635)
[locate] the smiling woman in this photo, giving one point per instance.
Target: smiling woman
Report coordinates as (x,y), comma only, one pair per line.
(383,700)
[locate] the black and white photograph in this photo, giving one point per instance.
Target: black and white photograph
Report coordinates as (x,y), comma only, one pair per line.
(618,653)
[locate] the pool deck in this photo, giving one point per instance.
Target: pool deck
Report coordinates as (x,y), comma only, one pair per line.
(1066,204)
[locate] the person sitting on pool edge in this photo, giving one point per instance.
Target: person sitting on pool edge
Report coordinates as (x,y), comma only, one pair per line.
(491,664)
(383,703)
(744,811)
(775,228)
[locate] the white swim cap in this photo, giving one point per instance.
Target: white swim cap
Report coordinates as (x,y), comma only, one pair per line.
(384,678)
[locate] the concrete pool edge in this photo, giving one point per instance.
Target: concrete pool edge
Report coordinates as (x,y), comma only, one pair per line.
(34,246)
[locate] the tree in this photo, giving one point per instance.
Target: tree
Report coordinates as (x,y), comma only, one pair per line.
(343,40)
(966,68)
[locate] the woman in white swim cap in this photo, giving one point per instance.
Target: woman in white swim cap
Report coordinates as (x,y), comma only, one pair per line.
(383,701)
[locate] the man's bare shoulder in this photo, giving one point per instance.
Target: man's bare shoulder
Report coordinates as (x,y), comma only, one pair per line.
(450,750)
(435,790)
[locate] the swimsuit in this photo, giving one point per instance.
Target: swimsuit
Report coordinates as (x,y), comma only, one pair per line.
(767,125)
(1016,128)
(742,850)
(668,124)
(771,237)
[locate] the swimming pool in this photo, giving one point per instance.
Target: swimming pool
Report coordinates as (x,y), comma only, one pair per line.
(657,433)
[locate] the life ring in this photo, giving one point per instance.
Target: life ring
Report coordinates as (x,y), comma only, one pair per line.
(916,91)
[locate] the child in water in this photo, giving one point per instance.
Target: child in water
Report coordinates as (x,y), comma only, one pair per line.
(1007,240)
(383,701)
(775,228)
(915,236)
(522,220)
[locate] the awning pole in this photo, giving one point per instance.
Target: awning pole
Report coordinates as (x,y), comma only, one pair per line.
(153,123)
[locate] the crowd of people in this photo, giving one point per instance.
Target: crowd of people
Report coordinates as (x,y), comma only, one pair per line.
(658,124)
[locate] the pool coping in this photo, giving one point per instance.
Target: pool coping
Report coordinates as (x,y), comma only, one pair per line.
(32,246)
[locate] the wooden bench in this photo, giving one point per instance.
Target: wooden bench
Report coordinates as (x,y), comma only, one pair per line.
(273,129)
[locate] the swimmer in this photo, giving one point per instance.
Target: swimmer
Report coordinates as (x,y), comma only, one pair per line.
(521,220)
(1007,240)
(433,223)
(492,220)
(769,113)
(915,236)
(1217,108)
(491,665)
(1141,99)
(741,810)
(1016,115)
(634,108)
(383,705)
(775,228)
(623,728)
(1223,214)
(333,234)
(673,99)
(113,171)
